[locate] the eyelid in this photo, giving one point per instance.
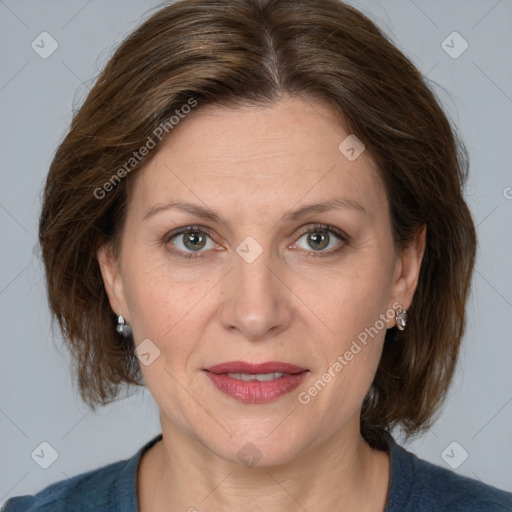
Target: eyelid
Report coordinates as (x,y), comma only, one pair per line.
(326,227)
(186,229)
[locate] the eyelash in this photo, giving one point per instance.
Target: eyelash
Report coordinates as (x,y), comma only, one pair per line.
(344,238)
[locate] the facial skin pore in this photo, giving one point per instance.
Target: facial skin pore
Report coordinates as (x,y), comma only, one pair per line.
(294,303)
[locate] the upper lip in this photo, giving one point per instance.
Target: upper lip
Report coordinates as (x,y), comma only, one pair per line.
(243,367)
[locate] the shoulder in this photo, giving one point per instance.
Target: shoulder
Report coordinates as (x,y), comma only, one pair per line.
(423,486)
(459,492)
(82,493)
(111,488)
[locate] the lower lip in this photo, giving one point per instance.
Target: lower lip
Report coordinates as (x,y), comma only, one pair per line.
(256,392)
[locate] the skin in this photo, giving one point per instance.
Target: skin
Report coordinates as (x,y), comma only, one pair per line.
(251,166)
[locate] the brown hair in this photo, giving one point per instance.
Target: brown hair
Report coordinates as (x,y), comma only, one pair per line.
(240,52)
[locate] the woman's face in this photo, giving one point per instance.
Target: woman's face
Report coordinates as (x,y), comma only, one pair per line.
(260,279)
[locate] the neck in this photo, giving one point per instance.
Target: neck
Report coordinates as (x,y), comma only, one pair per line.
(343,473)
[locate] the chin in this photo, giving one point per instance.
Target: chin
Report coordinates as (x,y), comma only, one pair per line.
(259,444)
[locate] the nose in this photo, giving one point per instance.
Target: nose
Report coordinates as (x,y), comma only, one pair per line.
(256,299)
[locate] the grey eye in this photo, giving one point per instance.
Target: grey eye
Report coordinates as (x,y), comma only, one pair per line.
(319,239)
(193,240)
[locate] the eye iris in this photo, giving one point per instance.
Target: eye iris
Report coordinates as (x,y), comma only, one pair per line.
(319,236)
(194,237)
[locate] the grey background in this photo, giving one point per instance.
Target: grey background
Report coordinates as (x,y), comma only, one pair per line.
(37,399)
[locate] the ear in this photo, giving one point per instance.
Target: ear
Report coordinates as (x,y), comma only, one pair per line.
(407,269)
(111,274)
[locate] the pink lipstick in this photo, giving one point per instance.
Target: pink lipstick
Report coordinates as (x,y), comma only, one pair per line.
(256,383)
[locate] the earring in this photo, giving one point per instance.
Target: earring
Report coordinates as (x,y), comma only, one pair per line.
(122,327)
(401,319)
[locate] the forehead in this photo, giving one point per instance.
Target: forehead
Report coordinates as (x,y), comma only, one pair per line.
(268,157)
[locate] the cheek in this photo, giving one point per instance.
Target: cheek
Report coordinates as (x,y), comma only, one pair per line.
(158,294)
(354,305)
(171,309)
(351,297)
(351,358)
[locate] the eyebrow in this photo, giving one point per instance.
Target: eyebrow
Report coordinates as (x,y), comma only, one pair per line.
(338,203)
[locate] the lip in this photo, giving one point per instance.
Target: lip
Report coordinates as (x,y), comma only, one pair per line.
(243,367)
(255,392)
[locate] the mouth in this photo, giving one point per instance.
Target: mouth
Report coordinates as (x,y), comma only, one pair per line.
(241,367)
(256,383)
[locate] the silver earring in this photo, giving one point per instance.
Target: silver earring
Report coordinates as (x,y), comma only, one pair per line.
(122,327)
(401,318)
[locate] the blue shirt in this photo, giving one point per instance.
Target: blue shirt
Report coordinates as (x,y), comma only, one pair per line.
(415,486)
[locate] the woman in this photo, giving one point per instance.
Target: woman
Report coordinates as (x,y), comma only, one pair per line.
(269,232)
